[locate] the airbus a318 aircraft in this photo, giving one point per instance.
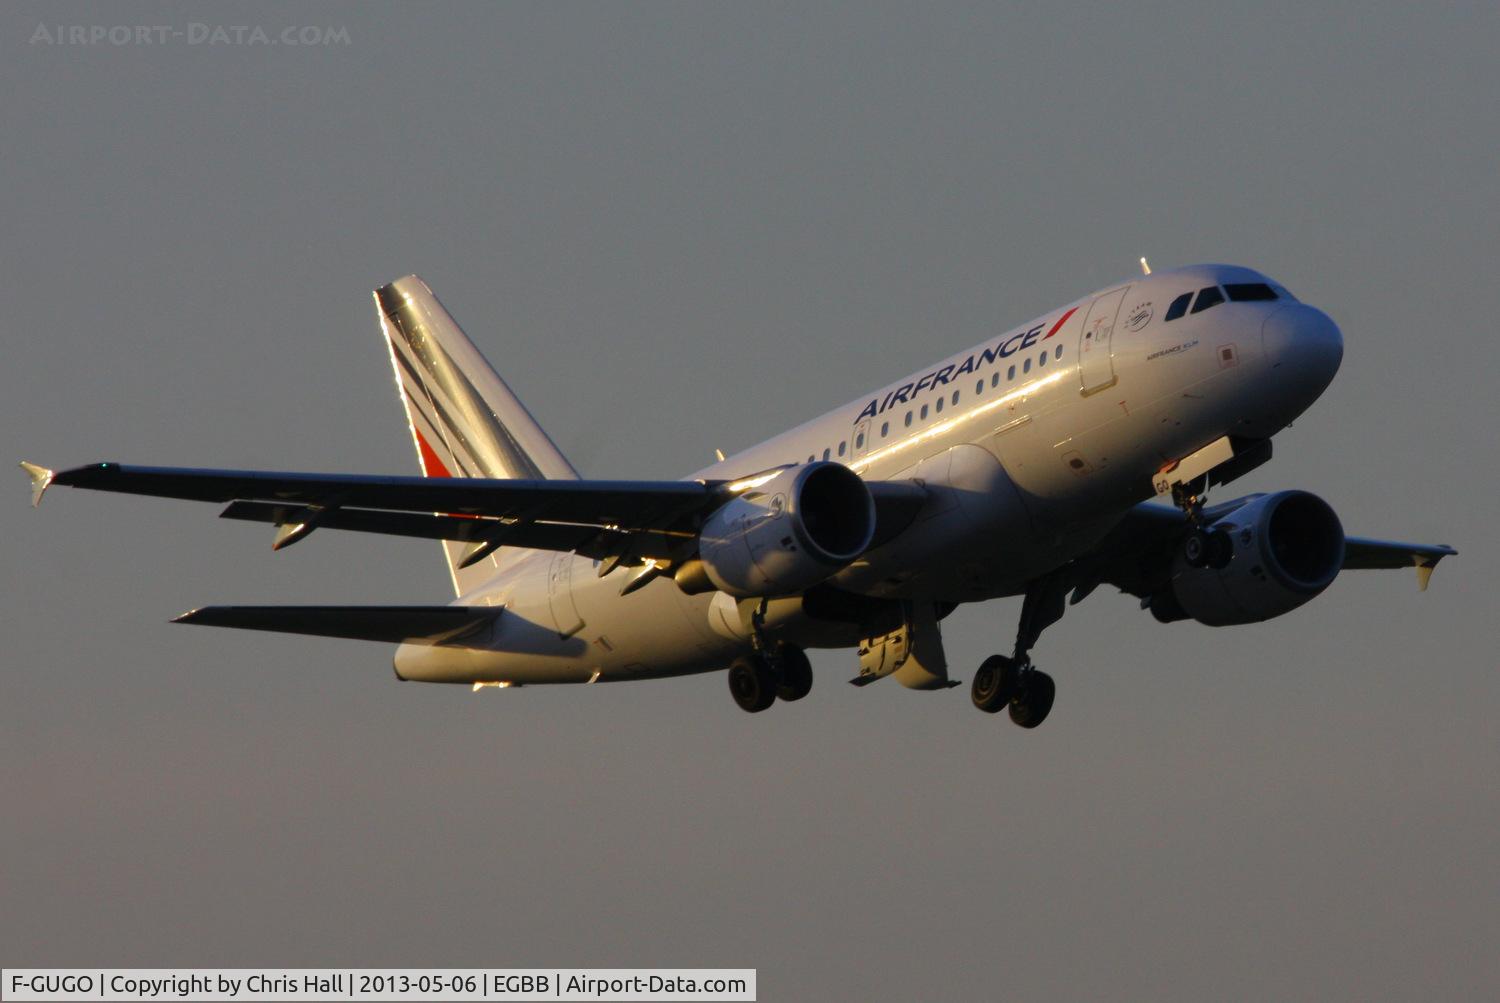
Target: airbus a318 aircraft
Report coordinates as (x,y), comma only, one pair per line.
(1022,466)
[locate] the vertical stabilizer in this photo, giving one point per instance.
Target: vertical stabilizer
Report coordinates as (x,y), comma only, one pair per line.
(464,420)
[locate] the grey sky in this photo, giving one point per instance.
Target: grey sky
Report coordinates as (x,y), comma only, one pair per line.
(675,228)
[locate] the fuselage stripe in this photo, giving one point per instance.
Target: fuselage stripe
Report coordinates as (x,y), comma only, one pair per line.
(1060,322)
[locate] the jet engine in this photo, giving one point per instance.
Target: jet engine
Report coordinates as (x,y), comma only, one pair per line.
(784,534)
(1277,552)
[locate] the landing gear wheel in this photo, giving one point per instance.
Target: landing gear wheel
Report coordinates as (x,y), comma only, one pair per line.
(796,673)
(752,684)
(1033,703)
(1208,548)
(994,683)
(1220,549)
(1195,549)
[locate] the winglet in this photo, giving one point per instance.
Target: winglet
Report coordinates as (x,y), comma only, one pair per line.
(41,479)
(1424,570)
(1426,562)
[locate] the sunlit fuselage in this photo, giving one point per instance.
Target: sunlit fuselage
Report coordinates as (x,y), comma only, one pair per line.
(1032,446)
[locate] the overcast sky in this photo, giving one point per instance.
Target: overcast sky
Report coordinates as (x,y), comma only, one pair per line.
(676,228)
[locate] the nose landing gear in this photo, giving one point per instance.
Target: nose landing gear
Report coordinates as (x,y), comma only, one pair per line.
(1203,547)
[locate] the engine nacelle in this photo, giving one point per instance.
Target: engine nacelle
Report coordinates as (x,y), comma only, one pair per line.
(1287,548)
(788,533)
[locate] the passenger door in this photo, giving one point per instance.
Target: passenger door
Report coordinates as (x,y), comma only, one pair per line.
(1096,367)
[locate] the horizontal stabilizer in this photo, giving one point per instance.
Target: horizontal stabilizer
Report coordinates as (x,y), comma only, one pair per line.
(392,624)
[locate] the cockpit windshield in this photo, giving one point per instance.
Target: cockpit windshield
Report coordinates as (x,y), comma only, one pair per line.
(1249,292)
(1208,297)
(1212,296)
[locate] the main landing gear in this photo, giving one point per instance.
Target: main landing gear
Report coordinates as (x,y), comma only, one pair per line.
(1013,682)
(758,679)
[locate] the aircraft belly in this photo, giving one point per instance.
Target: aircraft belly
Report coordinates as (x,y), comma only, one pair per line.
(655,631)
(600,636)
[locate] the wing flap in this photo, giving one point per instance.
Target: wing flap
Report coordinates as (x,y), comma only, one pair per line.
(589,541)
(392,624)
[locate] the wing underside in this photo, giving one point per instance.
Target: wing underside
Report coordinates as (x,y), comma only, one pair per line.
(622,522)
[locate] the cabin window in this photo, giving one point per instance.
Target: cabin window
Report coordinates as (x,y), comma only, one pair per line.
(885,429)
(841,449)
(1012,374)
(1057,352)
(908,419)
(1209,297)
(995,379)
(1179,306)
(1026,366)
(1249,292)
(939,405)
(810,458)
(979,387)
(955,397)
(825,454)
(859,441)
(924,412)
(1043,360)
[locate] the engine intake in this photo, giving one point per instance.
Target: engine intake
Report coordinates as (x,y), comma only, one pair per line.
(789,533)
(1287,548)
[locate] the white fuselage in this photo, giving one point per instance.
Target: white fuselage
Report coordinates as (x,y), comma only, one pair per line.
(1032,445)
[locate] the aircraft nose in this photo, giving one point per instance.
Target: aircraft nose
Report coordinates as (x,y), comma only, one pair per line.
(1303,348)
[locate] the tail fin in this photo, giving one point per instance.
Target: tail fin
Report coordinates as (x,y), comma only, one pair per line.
(464,420)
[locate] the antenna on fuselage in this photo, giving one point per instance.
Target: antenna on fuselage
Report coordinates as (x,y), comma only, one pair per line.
(1145,268)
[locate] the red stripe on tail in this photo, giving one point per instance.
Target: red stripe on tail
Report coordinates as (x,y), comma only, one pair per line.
(431,465)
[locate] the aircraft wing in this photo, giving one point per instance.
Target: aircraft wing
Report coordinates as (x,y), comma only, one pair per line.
(1361,552)
(627,520)
(1136,554)
(625,503)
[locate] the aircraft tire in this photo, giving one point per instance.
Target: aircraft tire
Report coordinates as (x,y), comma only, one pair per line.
(1032,705)
(1195,549)
(994,684)
(1220,550)
(796,673)
(752,684)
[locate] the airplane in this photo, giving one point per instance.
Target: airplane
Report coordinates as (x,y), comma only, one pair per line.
(1074,451)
